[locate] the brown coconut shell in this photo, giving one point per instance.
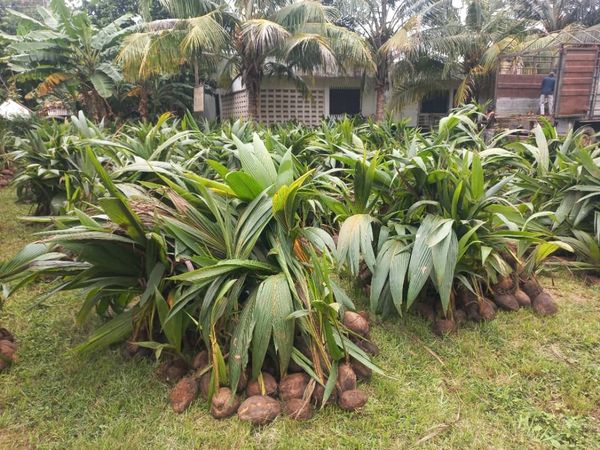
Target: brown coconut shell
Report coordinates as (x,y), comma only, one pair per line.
(472,311)
(253,387)
(364,314)
(505,285)
(362,372)
(352,400)
(544,305)
(346,378)
(200,360)
(319,392)
(6,335)
(8,350)
(242,382)
(425,310)
(204,385)
(487,310)
(183,394)
(442,327)
(506,301)
(522,298)
(468,301)
(224,404)
(531,287)
(460,317)
(259,410)
(293,386)
(356,323)
(298,409)
(173,371)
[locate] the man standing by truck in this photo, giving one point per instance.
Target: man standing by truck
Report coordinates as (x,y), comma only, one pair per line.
(547,93)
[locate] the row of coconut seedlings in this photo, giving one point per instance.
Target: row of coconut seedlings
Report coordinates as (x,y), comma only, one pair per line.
(510,294)
(259,401)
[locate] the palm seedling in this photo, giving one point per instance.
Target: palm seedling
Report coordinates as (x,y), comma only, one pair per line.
(229,261)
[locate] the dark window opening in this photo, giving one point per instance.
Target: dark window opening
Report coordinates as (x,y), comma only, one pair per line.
(344,101)
(435,103)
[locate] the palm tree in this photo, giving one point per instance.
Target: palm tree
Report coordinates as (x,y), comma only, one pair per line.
(556,15)
(256,40)
(378,21)
(194,34)
(68,55)
(290,39)
(437,51)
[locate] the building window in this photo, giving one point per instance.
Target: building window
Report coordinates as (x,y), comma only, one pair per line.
(344,101)
(435,103)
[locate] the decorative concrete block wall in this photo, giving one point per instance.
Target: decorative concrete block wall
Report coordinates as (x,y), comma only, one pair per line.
(234,105)
(282,105)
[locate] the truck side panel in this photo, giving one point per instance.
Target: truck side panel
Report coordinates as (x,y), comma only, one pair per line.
(576,81)
(517,94)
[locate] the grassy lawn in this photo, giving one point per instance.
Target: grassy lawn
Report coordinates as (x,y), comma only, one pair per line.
(518,382)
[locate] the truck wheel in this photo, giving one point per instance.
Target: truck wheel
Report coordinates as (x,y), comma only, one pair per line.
(587,136)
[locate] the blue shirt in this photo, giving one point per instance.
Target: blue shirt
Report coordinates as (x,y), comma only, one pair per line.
(548,85)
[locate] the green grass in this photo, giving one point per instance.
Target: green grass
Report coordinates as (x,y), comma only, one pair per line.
(518,382)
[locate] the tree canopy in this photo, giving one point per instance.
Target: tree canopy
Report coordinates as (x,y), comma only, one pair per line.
(102,52)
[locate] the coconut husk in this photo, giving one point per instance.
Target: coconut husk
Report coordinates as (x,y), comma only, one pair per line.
(506,301)
(442,327)
(362,372)
(468,301)
(544,305)
(425,310)
(8,350)
(352,400)
(172,371)
(319,393)
(356,323)
(460,317)
(253,387)
(487,310)
(522,298)
(505,285)
(531,287)
(224,404)
(364,314)
(346,378)
(183,394)
(200,361)
(6,335)
(367,346)
(204,385)
(298,409)
(259,410)
(293,386)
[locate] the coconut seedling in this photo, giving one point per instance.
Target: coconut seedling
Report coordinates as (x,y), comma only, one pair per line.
(454,237)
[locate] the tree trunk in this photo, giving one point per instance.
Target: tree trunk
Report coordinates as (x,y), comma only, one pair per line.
(253,89)
(253,104)
(380,102)
(143,104)
(94,105)
(381,83)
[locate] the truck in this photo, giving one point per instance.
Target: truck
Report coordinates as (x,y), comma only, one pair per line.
(576,92)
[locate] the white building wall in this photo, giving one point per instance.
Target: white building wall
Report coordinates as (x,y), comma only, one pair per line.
(210,106)
(410,112)
(321,86)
